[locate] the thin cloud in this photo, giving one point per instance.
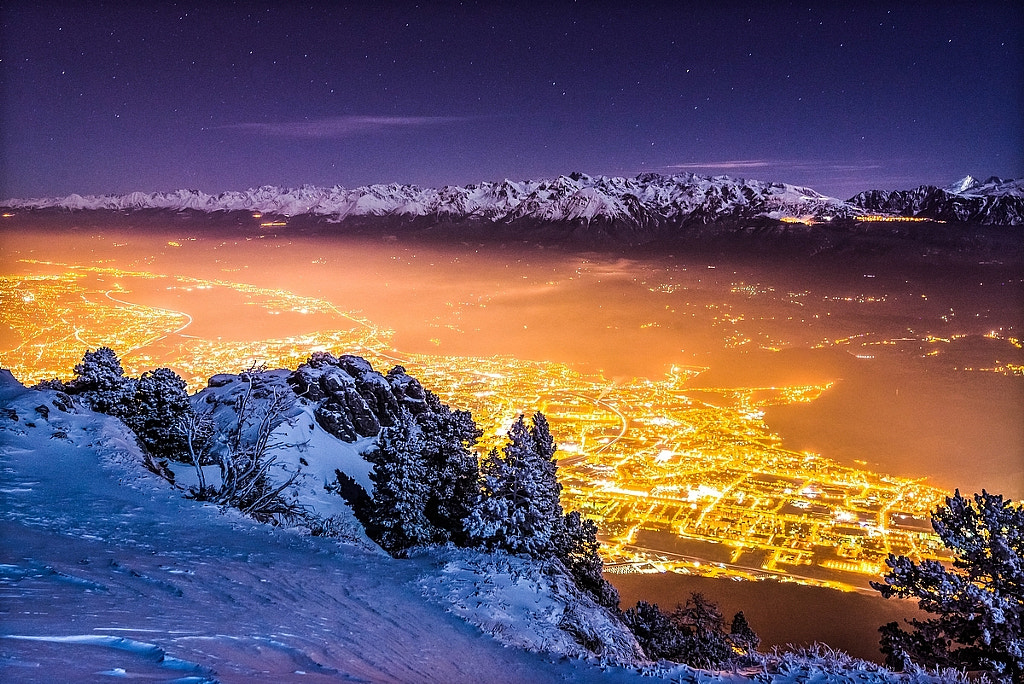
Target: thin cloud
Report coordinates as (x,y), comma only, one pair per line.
(786,165)
(341,126)
(738,164)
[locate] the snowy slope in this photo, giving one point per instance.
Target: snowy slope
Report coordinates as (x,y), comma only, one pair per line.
(104,566)
(107,572)
(639,201)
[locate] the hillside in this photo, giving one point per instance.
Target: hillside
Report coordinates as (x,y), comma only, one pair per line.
(108,572)
(108,569)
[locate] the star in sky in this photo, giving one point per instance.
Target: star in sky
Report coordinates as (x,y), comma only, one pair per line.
(840,96)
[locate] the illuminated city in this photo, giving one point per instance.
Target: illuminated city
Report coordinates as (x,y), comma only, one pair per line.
(680,478)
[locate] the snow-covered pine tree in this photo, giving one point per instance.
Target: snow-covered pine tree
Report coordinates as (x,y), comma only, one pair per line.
(101,381)
(486,523)
(979,604)
(520,511)
(160,404)
(401,488)
(100,370)
(577,547)
(693,634)
(452,468)
(152,406)
(655,631)
(706,644)
(358,500)
(544,469)
(742,635)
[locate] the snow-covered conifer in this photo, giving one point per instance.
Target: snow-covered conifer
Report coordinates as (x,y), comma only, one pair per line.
(693,634)
(655,631)
(520,511)
(452,469)
(487,521)
(706,644)
(742,636)
(160,404)
(400,488)
(100,380)
(545,469)
(577,547)
(99,370)
(978,604)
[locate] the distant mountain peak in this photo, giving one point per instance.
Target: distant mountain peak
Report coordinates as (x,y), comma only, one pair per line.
(962,185)
(996,201)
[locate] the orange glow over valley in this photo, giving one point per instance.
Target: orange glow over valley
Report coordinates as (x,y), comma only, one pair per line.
(682,470)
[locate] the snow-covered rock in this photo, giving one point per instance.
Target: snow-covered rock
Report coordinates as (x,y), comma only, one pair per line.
(324,417)
(528,604)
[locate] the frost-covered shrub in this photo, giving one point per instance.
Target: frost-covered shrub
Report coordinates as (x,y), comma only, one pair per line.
(978,603)
(245,455)
(693,634)
(159,404)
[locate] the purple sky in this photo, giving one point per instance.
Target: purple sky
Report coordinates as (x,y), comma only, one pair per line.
(113,97)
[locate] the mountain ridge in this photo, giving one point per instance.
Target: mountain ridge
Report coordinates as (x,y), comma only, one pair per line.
(993,202)
(641,200)
(645,200)
(716,214)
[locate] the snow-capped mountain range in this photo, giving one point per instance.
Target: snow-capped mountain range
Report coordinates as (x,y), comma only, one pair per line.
(995,201)
(642,200)
(649,203)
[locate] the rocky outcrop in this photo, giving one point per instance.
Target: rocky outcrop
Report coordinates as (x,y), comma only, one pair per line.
(349,399)
(352,399)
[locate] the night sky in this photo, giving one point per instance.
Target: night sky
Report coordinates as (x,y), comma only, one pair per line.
(113,97)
